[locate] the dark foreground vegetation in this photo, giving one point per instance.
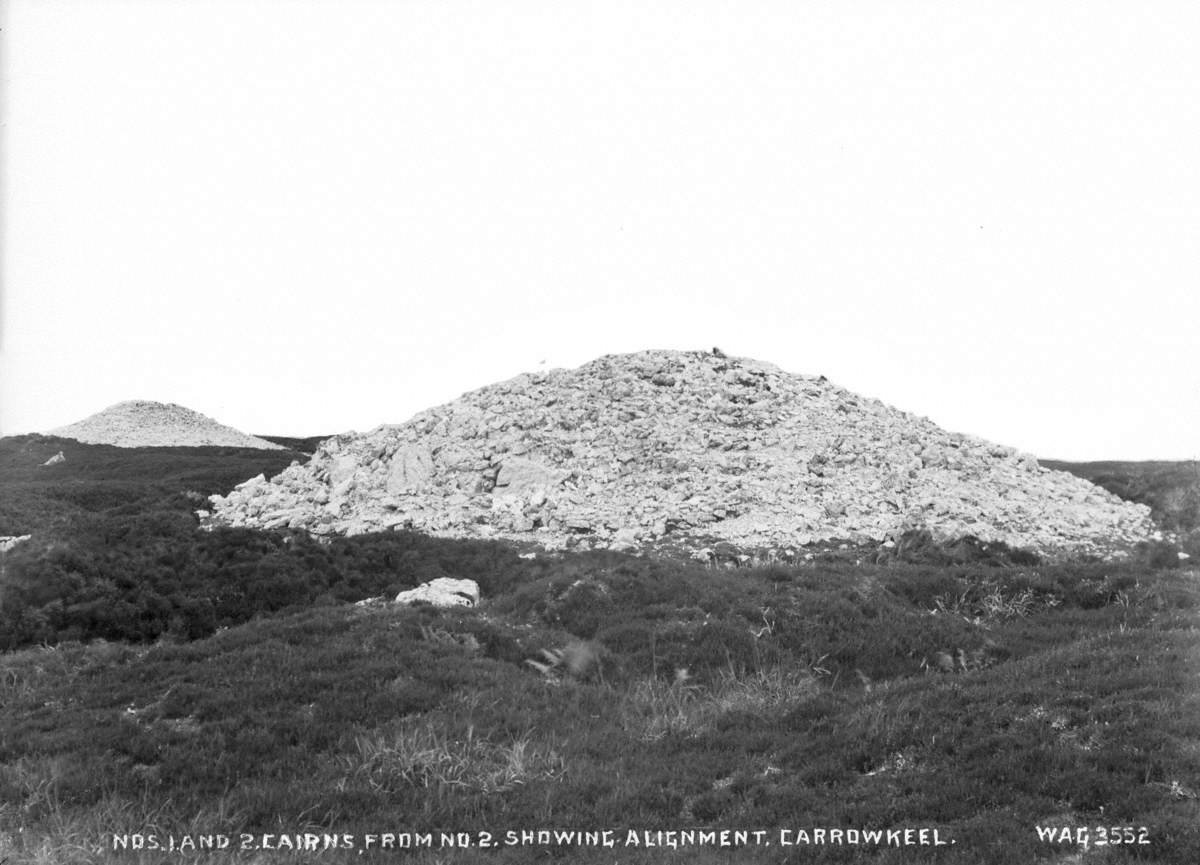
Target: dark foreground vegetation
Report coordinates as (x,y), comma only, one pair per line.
(101,480)
(163,681)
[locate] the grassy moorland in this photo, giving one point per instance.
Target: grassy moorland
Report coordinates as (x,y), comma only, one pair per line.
(983,704)
(95,479)
(189,685)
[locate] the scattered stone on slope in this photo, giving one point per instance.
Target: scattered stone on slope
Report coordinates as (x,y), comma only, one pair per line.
(56,459)
(629,449)
(442,592)
(142,423)
(7,542)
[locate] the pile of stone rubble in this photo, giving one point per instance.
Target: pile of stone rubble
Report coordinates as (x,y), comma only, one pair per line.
(142,423)
(630,449)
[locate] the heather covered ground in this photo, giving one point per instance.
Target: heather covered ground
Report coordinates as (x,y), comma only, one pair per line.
(183,684)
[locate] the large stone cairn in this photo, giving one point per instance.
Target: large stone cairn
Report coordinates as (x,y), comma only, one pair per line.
(630,448)
(144,423)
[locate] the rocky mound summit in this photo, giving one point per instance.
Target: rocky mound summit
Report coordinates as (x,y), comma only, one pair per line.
(142,423)
(630,448)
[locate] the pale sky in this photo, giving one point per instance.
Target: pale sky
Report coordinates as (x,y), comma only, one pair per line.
(304,218)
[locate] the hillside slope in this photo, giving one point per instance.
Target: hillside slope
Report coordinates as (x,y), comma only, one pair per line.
(628,449)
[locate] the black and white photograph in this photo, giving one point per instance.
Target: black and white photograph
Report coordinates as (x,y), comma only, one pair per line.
(446,431)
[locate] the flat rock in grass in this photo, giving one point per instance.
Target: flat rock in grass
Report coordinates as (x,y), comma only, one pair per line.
(7,542)
(442,592)
(628,448)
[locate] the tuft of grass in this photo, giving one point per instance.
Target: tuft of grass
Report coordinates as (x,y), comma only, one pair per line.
(980,607)
(653,708)
(426,757)
(67,836)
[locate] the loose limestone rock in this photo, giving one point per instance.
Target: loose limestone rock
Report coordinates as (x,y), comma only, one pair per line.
(409,468)
(518,477)
(630,448)
(7,542)
(442,592)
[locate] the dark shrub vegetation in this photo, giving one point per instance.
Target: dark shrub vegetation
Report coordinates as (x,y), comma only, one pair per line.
(919,547)
(134,578)
(956,686)
(117,553)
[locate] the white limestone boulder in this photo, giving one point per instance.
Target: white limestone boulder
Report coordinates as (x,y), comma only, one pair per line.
(442,592)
